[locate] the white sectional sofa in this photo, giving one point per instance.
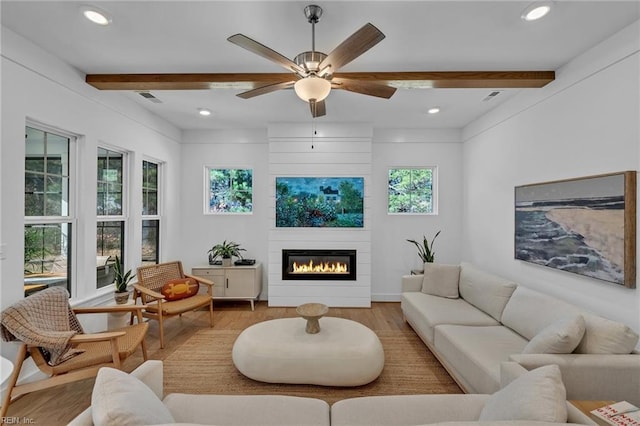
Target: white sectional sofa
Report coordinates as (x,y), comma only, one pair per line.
(473,321)
(118,399)
(534,398)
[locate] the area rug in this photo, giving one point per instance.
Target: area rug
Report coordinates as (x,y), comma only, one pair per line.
(203,365)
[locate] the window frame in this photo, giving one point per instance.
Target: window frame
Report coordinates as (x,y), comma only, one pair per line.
(159,208)
(434,190)
(71,218)
(123,217)
(207,190)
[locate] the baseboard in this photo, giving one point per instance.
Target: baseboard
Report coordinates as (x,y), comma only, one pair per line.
(386,297)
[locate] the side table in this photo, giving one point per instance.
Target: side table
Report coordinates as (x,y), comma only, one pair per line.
(587,406)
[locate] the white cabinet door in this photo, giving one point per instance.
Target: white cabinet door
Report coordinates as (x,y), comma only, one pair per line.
(240,283)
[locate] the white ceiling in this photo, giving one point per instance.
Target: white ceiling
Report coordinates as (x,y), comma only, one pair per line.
(190,37)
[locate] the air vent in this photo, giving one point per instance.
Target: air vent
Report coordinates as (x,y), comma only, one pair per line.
(150,97)
(491,95)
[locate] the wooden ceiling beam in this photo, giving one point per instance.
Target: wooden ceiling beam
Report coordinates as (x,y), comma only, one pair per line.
(246,81)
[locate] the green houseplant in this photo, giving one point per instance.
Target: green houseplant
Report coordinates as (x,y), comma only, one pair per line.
(226,251)
(121,281)
(425,250)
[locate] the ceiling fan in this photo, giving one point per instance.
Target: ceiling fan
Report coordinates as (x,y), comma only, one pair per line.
(314,71)
(313,74)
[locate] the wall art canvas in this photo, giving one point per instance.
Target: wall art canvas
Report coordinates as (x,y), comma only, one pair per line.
(585,225)
(319,202)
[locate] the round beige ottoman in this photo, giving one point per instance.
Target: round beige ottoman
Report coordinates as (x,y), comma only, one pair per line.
(343,353)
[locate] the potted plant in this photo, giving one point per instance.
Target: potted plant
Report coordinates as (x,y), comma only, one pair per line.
(425,250)
(226,251)
(121,281)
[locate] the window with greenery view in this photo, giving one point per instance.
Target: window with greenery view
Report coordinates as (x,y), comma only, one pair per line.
(47,210)
(110,238)
(412,190)
(150,214)
(229,191)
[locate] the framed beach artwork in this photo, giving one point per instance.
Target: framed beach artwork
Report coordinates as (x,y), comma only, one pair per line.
(585,225)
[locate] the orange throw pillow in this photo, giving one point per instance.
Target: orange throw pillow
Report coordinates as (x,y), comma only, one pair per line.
(180,289)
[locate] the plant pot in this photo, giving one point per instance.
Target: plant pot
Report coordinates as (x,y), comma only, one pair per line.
(121,298)
(226,261)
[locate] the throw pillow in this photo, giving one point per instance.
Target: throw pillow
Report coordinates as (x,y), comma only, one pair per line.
(441,280)
(180,289)
(604,336)
(537,395)
(121,399)
(560,337)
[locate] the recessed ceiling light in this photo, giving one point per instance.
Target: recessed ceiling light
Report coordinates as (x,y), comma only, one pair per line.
(433,110)
(536,10)
(204,112)
(96,15)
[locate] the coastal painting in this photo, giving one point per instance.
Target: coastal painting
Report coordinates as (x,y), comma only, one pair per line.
(584,226)
(319,202)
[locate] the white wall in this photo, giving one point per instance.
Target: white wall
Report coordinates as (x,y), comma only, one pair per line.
(585,123)
(36,86)
(393,256)
(224,149)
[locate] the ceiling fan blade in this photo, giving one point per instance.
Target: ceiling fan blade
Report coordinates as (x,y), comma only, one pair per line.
(262,50)
(358,43)
(364,87)
(263,90)
(318,109)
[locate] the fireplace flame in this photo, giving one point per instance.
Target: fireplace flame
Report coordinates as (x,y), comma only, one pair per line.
(321,268)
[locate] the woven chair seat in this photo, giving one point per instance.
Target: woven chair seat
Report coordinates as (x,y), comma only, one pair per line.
(179,306)
(100,352)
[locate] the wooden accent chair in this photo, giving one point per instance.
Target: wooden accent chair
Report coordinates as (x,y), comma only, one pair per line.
(37,319)
(152,278)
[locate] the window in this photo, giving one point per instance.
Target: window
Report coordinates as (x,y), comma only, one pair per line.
(150,214)
(111,213)
(412,190)
(228,190)
(47,210)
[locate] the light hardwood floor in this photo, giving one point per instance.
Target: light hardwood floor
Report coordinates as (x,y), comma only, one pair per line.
(59,405)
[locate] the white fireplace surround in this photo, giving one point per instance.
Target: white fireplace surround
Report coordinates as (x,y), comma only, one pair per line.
(336,150)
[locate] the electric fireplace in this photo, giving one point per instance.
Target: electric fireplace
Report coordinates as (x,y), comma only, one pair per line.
(304,264)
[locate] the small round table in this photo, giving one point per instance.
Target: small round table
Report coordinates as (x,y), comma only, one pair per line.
(312,312)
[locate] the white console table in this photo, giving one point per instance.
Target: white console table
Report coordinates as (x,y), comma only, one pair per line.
(233,282)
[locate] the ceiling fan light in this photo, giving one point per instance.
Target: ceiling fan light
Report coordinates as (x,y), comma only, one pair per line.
(536,10)
(312,88)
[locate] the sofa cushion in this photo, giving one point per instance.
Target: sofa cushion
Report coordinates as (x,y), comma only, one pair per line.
(425,311)
(485,291)
(500,423)
(604,336)
(537,395)
(121,399)
(264,410)
(441,280)
(560,337)
(529,312)
(476,353)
